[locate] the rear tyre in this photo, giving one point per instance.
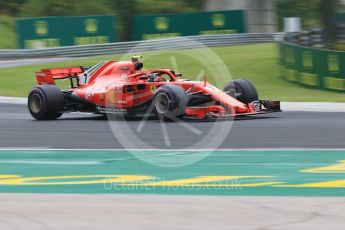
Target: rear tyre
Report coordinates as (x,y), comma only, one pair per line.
(242,90)
(170,101)
(45,102)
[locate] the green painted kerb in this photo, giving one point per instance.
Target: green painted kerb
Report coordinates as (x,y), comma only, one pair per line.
(274,172)
(316,68)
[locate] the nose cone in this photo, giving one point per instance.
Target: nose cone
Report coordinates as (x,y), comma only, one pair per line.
(230,103)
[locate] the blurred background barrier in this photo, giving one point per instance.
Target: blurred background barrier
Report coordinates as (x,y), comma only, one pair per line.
(312,67)
(150,45)
(44,32)
(188,24)
(49,32)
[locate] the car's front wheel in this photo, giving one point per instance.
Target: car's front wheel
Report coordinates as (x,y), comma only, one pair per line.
(242,90)
(45,102)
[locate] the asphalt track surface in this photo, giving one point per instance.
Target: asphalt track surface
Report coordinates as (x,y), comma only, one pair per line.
(291,129)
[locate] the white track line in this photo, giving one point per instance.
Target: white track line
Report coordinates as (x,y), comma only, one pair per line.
(313,106)
(13,100)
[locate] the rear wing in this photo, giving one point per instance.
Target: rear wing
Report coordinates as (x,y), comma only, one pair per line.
(48,76)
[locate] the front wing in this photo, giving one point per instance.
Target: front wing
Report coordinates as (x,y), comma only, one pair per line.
(257,107)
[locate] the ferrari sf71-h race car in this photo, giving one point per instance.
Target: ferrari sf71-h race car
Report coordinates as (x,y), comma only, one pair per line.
(122,86)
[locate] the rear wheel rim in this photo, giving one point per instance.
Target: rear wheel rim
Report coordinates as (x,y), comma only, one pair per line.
(35,103)
(162,103)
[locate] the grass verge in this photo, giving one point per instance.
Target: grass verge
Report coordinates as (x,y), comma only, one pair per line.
(257,63)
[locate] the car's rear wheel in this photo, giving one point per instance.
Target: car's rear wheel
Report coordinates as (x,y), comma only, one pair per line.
(45,102)
(242,90)
(170,101)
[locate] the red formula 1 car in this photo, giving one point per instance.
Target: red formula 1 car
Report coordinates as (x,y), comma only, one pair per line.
(122,86)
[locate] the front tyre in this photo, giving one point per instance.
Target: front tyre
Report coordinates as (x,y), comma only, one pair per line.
(170,101)
(242,90)
(45,102)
